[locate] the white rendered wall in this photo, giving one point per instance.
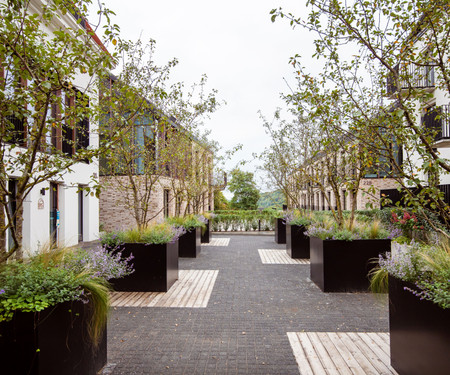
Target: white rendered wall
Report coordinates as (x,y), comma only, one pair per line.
(36,215)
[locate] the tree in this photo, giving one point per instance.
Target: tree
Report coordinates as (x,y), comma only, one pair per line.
(246,194)
(154,136)
(290,148)
(220,202)
(395,46)
(40,107)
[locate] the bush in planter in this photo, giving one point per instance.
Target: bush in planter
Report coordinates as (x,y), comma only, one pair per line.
(328,230)
(189,222)
(55,301)
(297,243)
(190,242)
(340,257)
(426,266)
(154,234)
(206,218)
(417,279)
(155,252)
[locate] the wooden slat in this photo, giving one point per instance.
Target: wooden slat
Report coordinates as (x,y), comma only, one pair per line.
(341,365)
(311,354)
(341,353)
(360,357)
(325,359)
(187,287)
(205,294)
(192,289)
(300,355)
(201,278)
(275,256)
(223,242)
(379,358)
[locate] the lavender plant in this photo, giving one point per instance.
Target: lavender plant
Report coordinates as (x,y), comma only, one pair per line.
(330,231)
(425,266)
(59,275)
(156,234)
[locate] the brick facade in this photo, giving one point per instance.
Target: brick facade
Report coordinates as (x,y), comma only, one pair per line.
(116,214)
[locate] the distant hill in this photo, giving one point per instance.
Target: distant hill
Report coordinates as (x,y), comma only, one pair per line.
(271,199)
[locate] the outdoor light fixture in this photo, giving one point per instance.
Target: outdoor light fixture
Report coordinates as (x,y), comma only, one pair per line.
(43,191)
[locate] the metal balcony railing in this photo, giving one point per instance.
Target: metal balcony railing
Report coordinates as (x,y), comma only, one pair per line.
(414,77)
(16,130)
(437,119)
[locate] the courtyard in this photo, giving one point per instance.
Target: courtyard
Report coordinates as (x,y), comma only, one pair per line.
(244,307)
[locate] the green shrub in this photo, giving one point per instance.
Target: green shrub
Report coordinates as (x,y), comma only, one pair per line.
(189,222)
(59,275)
(153,234)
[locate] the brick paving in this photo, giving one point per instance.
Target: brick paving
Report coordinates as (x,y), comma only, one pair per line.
(243,330)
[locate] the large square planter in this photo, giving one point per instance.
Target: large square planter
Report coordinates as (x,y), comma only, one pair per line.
(155,268)
(297,243)
(419,332)
(280,231)
(190,244)
(205,234)
(343,266)
(54,341)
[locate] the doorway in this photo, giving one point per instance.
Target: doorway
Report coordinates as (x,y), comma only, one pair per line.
(12,207)
(54,213)
(80,213)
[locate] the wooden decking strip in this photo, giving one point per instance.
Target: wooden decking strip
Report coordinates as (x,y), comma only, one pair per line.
(346,353)
(192,289)
(217,242)
(278,257)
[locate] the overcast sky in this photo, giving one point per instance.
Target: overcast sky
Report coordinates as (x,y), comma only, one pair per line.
(234,43)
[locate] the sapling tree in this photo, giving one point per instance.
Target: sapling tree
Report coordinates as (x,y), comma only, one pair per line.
(290,148)
(43,114)
(383,57)
(336,162)
(152,127)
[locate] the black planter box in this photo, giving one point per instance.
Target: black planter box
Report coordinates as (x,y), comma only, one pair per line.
(189,244)
(343,266)
(280,231)
(297,243)
(206,234)
(419,332)
(54,341)
(155,268)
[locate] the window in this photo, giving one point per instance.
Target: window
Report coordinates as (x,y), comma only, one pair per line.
(82,127)
(166,197)
(14,122)
(67,128)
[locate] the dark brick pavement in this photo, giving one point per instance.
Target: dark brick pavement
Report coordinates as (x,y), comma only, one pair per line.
(243,329)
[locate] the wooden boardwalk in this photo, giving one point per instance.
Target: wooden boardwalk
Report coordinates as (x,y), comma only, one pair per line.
(279,257)
(192,289)
(217,242)
(346,353)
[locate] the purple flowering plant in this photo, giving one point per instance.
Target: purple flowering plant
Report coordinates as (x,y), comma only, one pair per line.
(426,266)
(56,275)
(326,229)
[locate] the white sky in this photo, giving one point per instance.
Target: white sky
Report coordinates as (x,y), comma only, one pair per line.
(234,43)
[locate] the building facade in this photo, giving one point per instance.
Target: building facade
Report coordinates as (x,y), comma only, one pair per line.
(157,170)
(55,208)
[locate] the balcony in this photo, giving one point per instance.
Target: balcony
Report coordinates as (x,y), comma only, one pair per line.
(437,120)
(412,77)
(16,130)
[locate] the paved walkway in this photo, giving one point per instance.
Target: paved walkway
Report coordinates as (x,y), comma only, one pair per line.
(253,322)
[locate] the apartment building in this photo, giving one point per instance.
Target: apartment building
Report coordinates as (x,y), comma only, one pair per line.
(157,169)
(46,145)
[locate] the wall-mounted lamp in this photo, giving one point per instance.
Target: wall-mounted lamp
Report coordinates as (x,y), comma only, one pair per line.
(42,191)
